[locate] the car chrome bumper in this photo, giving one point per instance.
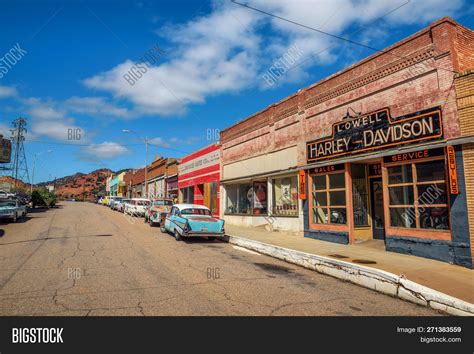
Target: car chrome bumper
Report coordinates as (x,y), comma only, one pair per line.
(203,234)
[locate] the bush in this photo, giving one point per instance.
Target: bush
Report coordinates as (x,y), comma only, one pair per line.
(43,197)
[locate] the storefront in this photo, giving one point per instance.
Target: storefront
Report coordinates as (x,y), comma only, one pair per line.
(380,152)
(198,178)
(392,192)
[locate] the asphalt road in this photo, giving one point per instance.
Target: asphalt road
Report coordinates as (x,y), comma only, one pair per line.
(82,259)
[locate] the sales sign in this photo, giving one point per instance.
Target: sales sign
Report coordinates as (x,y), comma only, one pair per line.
(376,130)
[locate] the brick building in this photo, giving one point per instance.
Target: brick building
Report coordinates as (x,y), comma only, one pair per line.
(382,150)
(134,181)
(162,178)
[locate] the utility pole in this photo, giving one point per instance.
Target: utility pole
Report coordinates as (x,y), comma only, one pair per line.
(146,167)
(19,166)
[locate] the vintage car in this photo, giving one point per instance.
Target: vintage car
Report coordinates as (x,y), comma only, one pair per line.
(192,220)
(157,210)
(105,200)
(120,205)
(114,201)
(12,209)
(136,206)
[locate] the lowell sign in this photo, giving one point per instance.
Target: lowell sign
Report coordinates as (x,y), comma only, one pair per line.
(376,130)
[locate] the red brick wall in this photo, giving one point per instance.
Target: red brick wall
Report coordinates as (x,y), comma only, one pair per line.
(464,46)
(417,74)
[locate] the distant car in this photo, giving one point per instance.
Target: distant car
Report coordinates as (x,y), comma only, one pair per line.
(156,212)
(105,200)
(99,201)
(114,201)
(136,206)
(120,206)
(6,195)
(192,220)
(12,209)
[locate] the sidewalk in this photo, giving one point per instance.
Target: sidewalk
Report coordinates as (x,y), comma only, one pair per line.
(450,279)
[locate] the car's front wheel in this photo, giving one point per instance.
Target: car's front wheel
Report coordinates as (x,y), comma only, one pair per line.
(177,236)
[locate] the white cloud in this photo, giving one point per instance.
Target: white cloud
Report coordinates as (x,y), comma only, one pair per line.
(169,142)
(229,49)
(7,91)
(213,54)
(5,130)
(106,150)
(48,119)
(97,106)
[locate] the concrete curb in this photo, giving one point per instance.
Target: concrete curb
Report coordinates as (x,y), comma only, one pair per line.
(375,279)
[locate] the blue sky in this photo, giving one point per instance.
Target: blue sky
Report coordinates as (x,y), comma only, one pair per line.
(206,68)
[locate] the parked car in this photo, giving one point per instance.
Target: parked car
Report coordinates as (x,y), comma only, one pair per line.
(12,209)
(136,206)
(105,200)
(114,201)
(120,205)
(192,220)
(5,195)
(99,201)
(156,212)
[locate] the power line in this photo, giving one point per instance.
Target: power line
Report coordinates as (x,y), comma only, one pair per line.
(92,144)
(357,31)
(383,51)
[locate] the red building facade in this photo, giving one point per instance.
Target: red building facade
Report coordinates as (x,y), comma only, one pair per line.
(198,178)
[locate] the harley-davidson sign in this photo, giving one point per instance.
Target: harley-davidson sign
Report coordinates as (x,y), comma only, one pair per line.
(376,130)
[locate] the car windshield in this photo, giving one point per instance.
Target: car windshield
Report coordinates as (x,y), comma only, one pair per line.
(142,202)
(162,202)
(7,204)
(196,211)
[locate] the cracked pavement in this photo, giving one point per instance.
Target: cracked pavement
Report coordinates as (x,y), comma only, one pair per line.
(83,259)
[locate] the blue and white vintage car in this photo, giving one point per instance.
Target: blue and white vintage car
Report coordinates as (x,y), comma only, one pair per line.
(192,220)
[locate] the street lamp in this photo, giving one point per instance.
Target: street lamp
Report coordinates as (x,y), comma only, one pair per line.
(35,156)
(145,140)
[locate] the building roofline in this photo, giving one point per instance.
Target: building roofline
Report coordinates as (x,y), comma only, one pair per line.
(353,66)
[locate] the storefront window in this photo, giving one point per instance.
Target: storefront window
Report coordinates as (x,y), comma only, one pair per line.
(247,199)
(329,199)
(417,195)
(239,199)
(285,196)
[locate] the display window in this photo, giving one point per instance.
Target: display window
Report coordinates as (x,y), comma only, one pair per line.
(328,199)
(417,195)
(247,198)
(285,196)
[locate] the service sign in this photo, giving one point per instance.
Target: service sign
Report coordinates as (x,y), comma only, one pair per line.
(376,130)
(5,150)
(452,170)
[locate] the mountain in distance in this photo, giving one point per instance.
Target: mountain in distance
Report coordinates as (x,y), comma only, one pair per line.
(80,186)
